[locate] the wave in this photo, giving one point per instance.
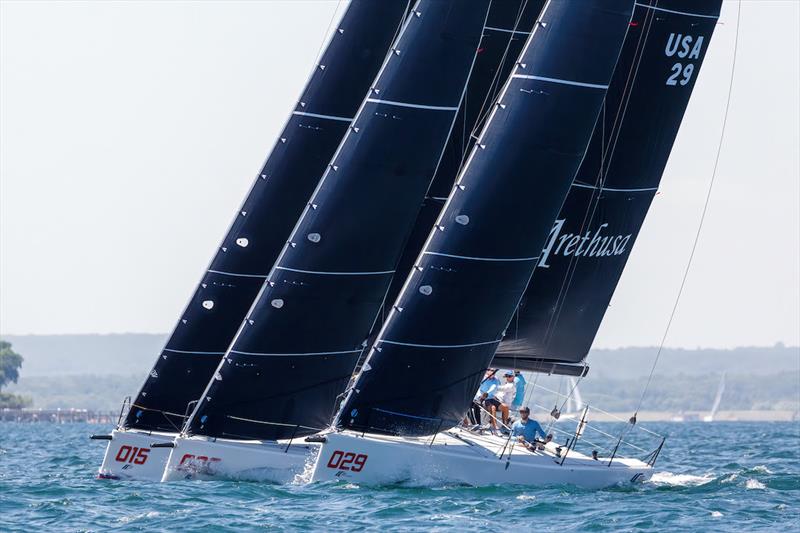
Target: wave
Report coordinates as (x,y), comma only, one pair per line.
(679,480)
(754,484)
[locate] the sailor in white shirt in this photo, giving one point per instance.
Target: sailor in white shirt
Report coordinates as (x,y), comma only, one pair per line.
(503,397)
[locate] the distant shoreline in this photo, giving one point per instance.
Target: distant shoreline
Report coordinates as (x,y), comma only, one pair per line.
(70,415)
(697,416)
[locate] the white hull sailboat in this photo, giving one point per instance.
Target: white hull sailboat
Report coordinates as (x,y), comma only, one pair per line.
(130,454)
(462,457)
(204,458)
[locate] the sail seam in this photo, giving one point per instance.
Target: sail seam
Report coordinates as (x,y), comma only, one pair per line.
(586,186)
(237,275)
(324,273)
(415,106)
(560,81)
(192,352)
(296,354)
(677,12)
(438,345)
(506,30)
(497,259)
(317,115)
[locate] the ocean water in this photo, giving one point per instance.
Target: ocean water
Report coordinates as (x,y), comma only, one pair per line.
(710,477)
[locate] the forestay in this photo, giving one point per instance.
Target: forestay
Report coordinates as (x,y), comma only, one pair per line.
(328,103)
(297,349)
(429,357)
(593,235)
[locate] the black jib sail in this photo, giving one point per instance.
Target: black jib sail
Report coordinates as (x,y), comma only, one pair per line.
(594,233)
(507,28)
(428,359)
(212,317)
(297,349)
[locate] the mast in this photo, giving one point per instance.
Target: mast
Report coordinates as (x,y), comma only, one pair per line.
(593,235)
(259,231)
(428,358)
(297,348)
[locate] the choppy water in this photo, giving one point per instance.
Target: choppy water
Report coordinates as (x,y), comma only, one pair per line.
(711,477)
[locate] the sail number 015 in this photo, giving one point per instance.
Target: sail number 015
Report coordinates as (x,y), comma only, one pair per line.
(347,461)
(132,454)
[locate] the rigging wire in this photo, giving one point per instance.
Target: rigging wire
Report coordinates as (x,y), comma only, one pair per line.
(703,214)
(327,33)
(491,97)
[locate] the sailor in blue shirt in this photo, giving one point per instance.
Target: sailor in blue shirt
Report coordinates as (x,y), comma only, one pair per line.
(519,382)
(489,383)
(526,429)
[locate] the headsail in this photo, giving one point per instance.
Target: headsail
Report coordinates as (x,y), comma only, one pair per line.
(213,315)
(594,233)
(297,349)
(429,356)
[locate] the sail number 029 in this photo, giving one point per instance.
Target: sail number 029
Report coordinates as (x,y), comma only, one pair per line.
(347,461)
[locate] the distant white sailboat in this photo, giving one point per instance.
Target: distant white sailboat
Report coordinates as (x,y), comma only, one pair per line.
(717,399)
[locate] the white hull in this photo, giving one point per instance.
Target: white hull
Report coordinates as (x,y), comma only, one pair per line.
(129,455)
(460,457)
(208,459)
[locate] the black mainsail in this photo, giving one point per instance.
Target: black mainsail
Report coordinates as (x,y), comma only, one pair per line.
(320,120)
(428,358)
(593,235)
(297,349)
(508,26)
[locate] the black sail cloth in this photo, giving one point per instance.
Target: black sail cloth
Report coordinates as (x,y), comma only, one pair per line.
(594,233)
(212,317)
(507,28)
(298,347)
(429,357)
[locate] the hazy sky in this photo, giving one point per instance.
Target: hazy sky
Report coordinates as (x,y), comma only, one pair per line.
(131,132)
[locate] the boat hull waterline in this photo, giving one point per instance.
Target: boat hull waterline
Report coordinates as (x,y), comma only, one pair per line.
(207,459)
(461,457)
(130,455)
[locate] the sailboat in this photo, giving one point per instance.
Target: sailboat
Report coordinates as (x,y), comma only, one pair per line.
(400,420)
(332,95)
(296,350)
(717,399)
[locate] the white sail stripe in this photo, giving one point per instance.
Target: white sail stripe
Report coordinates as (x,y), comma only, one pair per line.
(494,259)
(505,30)
(316,115)
(324,273)
(416,106)
(677,12)
(585,186)
(562,82)
(443,198)
(237,275)
(437,345)
(296,354)
(192,352)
